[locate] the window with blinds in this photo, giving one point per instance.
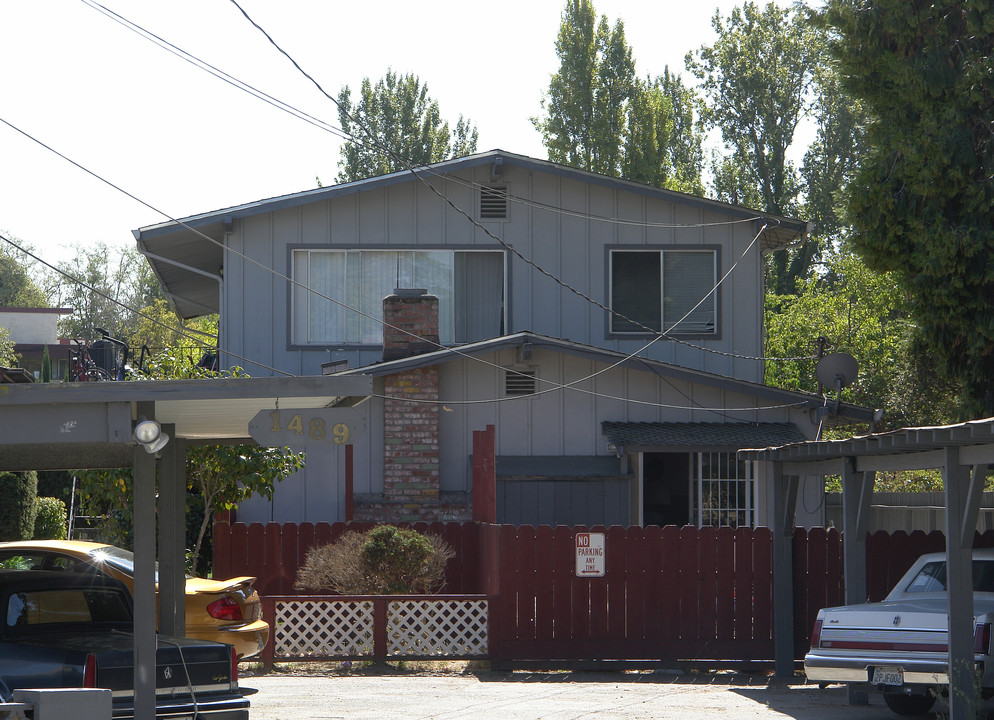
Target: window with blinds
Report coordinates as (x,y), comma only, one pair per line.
(670,291)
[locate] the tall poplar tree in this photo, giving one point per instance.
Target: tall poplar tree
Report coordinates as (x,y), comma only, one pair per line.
(395,125)
(599,116)
(922,202)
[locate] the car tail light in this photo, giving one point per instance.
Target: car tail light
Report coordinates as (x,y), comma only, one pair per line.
(234,666)
(816,633)
(90,672)
(982,638)
(225,609)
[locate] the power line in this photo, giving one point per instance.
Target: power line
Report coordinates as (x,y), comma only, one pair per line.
(448,201)
(197,62)
(184,332)
(556,386)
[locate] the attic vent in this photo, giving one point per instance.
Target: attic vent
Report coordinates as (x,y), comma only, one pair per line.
(519,382)
(493,202)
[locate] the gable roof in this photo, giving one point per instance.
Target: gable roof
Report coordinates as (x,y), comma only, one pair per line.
(532,340)
(187,254)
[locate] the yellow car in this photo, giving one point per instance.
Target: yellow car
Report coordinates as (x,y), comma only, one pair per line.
(227,611)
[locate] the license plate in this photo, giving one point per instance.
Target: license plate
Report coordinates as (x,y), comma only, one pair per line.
(888,676)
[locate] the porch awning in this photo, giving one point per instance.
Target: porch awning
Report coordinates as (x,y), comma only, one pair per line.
(670,436)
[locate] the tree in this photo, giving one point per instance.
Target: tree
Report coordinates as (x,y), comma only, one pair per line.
(8,358)
(920,203)
(17,287)
(18,493)
(756,78)
(598,116)
(863,313)
(124,282)
(394,126)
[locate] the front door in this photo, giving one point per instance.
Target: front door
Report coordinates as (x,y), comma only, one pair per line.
(666,489)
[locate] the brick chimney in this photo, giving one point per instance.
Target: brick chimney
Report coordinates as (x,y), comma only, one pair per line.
(410,324)
(410,428)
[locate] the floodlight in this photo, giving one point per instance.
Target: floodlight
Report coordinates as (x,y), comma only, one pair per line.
(148,434)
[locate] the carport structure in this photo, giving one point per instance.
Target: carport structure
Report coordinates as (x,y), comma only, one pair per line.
(962,452)
(67,426)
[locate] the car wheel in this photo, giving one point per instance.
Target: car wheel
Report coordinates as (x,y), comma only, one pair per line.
(904,704)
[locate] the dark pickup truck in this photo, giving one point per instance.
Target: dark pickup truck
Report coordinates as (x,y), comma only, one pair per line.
(63,630)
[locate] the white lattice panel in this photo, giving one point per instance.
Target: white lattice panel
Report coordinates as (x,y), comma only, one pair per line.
(437,628)
(323,628)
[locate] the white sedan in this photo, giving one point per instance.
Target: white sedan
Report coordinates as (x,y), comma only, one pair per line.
(900,646)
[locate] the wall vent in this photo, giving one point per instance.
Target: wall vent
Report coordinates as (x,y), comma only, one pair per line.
(519,381)
(493,202)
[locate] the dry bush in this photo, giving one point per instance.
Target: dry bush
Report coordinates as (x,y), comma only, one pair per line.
(382,561)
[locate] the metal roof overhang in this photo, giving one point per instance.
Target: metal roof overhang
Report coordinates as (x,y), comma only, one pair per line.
(914,448)
(63,426)
(533,341)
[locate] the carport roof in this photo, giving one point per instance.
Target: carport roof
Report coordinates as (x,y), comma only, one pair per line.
(71,425)
(904,449)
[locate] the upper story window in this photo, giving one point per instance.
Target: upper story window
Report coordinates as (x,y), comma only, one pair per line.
(669,291)
(346,305)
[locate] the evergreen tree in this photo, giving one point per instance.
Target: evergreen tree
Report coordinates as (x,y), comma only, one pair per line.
(599,116)
(920,203)
(396,125)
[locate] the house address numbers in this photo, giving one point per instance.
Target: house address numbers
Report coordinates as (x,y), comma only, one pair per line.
(299,428)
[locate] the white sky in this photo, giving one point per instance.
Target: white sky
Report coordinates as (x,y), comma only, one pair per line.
(185,142)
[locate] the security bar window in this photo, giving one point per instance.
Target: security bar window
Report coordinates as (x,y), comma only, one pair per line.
(723,490)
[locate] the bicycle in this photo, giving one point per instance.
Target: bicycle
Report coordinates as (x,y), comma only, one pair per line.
(106,359)
(82,368)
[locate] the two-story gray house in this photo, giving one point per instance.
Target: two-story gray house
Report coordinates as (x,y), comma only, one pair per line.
(610,332)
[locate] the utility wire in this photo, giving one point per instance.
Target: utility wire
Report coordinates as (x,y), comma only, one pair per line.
(419,174)
(184,332)
(299,284)
(197,62)
(339,132)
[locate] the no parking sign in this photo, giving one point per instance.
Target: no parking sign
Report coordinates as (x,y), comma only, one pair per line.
(590,554)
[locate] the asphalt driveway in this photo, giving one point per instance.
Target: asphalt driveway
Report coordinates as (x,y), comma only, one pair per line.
(392,695)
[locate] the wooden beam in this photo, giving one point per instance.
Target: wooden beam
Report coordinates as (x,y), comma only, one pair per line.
(959,580)
(857,495)
(144,575)
(784,505)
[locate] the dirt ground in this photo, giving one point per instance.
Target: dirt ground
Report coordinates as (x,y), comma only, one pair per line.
(328,691)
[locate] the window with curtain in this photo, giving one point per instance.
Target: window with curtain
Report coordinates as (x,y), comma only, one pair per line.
(663,290)
(342,298)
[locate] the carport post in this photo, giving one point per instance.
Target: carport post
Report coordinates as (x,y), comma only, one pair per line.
(784,506)
(172,535)
(962,505)
(144,579)
(857,493)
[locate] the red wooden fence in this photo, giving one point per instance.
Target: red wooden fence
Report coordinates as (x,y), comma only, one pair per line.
(668,593)
(273,553)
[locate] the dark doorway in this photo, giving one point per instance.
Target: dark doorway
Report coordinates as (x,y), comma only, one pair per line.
(666,489)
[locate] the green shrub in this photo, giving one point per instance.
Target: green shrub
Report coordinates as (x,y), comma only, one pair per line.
(50,519)
(18,492)
(382,561)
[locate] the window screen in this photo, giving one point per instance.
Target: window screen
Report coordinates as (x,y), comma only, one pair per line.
(668,290)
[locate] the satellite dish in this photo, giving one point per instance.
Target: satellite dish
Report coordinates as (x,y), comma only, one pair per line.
(837,370)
